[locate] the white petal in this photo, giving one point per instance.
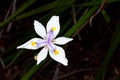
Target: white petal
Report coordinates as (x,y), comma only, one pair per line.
(28,44)
(42,55)
(39,28)
(62,40)
(60,57)
(54,22)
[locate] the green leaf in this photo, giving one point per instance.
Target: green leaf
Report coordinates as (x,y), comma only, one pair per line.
(18,11)
(113,45)
(59,6)
(18,54)
(105,16)
(34,69)
(81,21)
(38,10)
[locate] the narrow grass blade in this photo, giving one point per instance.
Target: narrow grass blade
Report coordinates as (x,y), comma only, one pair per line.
(53,5)
(19,10)
(33,69)
(113,45)
(81,21)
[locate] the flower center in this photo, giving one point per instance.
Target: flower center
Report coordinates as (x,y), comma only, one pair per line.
(33,43)
(48,41)
(56,52)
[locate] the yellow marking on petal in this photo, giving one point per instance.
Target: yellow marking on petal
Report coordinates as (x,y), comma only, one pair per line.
(53,28)
(35,57)
(56,52)
(33,43)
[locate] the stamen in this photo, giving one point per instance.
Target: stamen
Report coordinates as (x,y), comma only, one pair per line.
(33,43)
(46,46)
(53,28)
(44,37)
(56,52)
(35,57)
(53,40)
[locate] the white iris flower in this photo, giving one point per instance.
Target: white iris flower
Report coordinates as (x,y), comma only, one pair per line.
(48,41)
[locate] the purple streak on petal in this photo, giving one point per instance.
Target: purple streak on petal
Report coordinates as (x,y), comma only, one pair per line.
(50,36)
(51,46)
(41,43)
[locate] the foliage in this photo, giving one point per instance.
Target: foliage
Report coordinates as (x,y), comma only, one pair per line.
(74,16)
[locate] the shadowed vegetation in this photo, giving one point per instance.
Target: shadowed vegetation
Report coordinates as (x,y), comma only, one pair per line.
(93,54)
